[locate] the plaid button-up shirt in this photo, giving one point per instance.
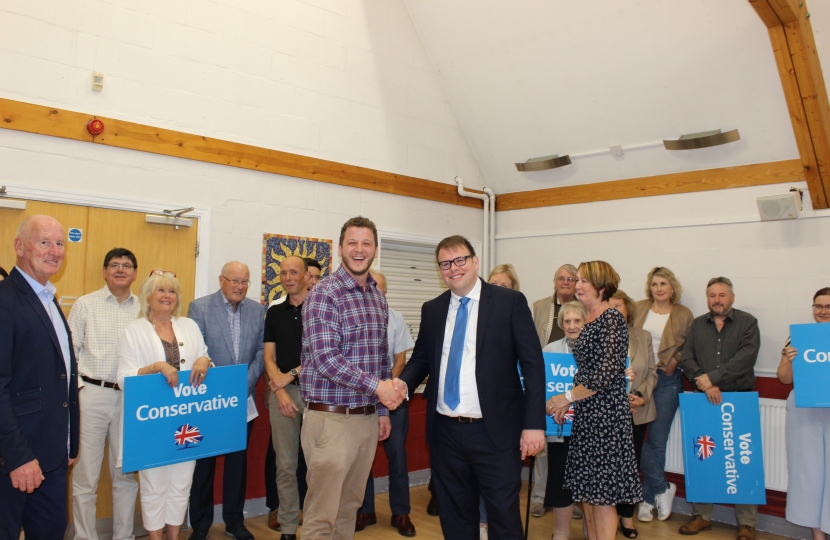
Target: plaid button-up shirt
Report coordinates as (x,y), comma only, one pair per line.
(345,344)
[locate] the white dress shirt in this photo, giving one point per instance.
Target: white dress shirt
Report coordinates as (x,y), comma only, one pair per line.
(469,405)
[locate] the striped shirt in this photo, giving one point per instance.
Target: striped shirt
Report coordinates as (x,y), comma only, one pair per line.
(345,345)
(97,321)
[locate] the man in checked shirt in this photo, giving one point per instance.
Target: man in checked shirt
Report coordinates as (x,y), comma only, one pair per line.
(345,380)
(96,321)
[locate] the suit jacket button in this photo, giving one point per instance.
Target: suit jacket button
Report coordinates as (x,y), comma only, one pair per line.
(66,404)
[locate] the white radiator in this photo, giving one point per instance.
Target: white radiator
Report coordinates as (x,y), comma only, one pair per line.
(773,419)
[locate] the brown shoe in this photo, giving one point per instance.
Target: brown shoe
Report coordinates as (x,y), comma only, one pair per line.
(364,520)
(404,525)
(273,522)
(695,525)
(745,532)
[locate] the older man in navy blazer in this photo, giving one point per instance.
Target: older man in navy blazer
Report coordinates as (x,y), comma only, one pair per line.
(480,424)
(38,388)
(233,327)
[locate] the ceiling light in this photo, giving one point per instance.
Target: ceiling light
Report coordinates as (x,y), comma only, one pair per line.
(543,163)
(704,139)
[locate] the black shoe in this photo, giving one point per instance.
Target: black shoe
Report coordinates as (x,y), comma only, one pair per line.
(288,537)
(432,506)
(628,533)
(199,535)
(239,532)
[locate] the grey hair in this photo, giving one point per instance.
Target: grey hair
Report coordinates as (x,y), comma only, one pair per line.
(726,281)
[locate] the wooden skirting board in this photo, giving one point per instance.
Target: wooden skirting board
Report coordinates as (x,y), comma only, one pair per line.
(31,118)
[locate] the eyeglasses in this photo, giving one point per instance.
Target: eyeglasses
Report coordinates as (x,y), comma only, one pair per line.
(563,279)
(160,272)
(819,307)
(237,282)
(458,261)
(116,266)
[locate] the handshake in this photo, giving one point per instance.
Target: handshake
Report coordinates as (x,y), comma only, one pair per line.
(391,393)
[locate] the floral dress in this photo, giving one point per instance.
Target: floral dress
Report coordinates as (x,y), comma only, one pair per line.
(601,469)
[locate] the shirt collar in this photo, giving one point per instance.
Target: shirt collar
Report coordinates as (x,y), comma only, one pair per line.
(474,294)
(108,294)
(36,286)
(230,307)
(711,317)
(351,282)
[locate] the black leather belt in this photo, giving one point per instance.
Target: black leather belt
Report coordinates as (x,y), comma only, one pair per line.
(342,409)
(96,382)
(463,419)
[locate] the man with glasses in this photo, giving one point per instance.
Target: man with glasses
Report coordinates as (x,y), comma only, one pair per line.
(97,321)
(315,272)
(233,327)
(480,423)
(545,312)
(719,356)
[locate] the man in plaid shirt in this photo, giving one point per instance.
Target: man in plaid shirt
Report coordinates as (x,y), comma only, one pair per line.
(345,380)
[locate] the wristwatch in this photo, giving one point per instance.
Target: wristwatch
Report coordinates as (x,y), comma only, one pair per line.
(294,373)
(568,397)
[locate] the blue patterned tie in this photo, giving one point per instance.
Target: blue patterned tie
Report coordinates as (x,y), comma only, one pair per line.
(452,379)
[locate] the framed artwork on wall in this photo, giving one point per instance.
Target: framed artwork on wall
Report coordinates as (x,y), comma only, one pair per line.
(276,247)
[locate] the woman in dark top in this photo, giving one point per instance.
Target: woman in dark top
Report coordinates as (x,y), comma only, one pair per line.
(601,470)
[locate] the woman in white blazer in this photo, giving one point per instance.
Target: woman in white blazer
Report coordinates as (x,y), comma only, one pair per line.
(160,341)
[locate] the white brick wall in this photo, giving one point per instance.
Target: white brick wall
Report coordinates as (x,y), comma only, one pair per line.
(346,80)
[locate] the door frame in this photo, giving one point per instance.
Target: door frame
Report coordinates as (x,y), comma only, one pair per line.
(203,213)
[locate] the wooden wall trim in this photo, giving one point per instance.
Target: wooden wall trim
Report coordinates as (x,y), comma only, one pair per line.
(31,118)
(793,45)
(758,174)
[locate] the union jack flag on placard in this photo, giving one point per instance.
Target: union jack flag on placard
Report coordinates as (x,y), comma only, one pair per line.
(705,447)
(569,415)
(187,435)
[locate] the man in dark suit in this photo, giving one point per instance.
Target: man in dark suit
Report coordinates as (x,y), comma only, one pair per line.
(38,388)
(480,424)
(232,326)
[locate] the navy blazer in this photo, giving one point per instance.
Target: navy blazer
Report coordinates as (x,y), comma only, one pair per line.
(505,337)
(210,314)
(35,406)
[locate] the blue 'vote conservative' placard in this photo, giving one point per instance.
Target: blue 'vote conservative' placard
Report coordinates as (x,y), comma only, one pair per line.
(811,369)
(722,451)
(164,425)
(559,378)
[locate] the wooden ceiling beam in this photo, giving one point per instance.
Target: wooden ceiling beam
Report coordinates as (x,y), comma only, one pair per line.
(28,117)
(794,47)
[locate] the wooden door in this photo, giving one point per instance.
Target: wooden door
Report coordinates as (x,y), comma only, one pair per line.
(155,246)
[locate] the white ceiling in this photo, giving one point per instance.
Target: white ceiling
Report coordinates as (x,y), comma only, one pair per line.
(531,78)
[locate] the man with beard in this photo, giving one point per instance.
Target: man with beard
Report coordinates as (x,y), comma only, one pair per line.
(345,382)
(719,356)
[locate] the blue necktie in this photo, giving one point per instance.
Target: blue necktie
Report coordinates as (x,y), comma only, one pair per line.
(452,379)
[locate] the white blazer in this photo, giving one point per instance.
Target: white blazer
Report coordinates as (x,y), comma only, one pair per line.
(140,346)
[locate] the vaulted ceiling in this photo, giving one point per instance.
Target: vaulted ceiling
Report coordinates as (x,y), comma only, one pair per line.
(533,78)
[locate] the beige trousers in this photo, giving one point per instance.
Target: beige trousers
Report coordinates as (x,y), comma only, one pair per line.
(339,451)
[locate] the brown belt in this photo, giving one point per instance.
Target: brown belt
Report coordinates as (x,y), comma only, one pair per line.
(463,419)
(341,409)
(96,382)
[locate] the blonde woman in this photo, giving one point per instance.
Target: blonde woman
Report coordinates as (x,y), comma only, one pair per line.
(668,321)
(504,275)
(160,341)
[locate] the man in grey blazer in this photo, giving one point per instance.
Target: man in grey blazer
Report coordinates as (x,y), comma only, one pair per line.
(233,327)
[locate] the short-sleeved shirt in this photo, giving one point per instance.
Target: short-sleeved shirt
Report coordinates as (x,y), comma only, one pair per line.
(284,328)
(345,343)
(400,339)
